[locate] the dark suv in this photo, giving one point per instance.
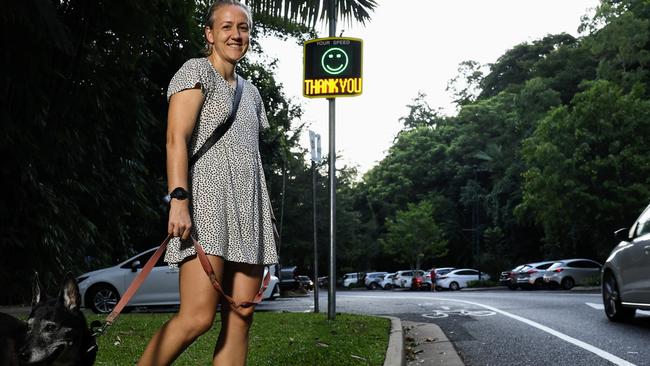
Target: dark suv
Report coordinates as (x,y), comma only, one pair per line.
(626,273)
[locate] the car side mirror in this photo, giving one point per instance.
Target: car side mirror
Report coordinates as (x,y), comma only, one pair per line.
(622,234)
(135,265)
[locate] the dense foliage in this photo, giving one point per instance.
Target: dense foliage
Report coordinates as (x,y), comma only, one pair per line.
(546,157)
(84,115)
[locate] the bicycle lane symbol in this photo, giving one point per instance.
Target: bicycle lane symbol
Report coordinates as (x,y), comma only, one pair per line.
(444,313)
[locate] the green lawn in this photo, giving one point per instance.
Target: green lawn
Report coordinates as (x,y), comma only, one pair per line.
(277,339)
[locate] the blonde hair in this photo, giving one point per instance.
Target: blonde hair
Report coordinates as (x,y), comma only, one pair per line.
(209,18)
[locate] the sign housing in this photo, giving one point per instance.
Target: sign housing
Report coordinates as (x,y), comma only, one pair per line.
(332,67)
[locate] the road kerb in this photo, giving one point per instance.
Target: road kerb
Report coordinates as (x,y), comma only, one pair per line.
(395,351)
(431,345)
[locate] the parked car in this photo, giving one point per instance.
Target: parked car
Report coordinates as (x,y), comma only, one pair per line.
(306,282)
(532,275)
(101,289)
(387,281)
(458,278)
(372,279)
(420,283)
(350,279)
(289,278)
(322,281)
(509,278)
(439,272)
(570,272)
(626,273)
(405,278)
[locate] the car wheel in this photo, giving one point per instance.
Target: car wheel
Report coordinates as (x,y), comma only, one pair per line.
(454,286)
(102,299)
(539,284)
(567,283)
(374,285)
(614,310)
(388,286)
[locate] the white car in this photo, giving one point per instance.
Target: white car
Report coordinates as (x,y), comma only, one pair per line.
(405,278)
(101,290)
(387,281)
(458,278)
(350,279)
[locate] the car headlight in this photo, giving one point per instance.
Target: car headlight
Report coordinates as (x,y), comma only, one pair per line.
(81,278)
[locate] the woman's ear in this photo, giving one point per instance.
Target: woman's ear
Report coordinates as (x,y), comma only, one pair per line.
(208,35)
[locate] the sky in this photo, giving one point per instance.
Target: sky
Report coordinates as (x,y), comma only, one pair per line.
(412,46)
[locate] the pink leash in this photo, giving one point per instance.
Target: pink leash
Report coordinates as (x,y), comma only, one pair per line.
(99,329)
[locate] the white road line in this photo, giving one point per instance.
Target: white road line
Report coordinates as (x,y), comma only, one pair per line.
(586,346)
(595,306)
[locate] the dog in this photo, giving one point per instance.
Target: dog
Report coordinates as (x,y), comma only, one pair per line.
(55,333)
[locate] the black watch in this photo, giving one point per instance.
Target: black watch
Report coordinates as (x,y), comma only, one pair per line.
(178,193)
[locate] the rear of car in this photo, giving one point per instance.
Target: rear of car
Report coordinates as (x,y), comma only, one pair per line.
(387,281)
(570,272)
(350,279)
(509,278)
(532,275)
(626,273)
(372,280)
(405,278)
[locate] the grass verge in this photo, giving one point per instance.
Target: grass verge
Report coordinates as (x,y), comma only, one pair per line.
(276,339)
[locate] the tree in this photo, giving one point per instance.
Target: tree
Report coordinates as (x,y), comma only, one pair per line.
(413,232)
(587,173)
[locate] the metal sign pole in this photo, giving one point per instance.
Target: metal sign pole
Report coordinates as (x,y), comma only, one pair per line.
(315,158)
(331,298)
(313,184)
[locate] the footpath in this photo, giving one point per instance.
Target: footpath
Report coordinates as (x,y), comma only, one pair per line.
(415,343)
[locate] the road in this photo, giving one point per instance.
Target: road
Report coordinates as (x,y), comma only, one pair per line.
(507,327)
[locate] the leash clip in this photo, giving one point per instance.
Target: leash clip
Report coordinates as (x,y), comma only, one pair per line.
(98,329)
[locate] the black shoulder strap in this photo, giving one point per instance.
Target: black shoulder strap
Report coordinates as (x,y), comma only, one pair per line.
(222,128)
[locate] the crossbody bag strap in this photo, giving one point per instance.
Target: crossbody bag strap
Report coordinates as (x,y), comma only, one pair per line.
(222,128)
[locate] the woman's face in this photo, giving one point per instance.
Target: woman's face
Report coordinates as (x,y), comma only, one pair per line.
(230,33)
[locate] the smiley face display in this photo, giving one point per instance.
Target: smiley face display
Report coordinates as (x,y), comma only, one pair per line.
(334,61)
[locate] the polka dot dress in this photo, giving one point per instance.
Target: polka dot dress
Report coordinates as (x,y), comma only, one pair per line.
(230,206)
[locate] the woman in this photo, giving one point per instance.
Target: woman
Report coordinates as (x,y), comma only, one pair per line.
(221,200)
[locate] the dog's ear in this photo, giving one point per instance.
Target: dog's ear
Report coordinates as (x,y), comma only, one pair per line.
(69,295)
(38,291)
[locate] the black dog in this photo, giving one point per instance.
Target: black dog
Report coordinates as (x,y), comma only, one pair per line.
(55,333)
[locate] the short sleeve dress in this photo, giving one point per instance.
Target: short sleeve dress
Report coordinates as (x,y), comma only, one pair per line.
(230,206)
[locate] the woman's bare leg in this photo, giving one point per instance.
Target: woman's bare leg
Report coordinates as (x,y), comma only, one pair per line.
(243,282)
(196,314)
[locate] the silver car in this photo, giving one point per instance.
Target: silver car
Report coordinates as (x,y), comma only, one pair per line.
(570,272)
(532,275)
(101,290)
(626,273)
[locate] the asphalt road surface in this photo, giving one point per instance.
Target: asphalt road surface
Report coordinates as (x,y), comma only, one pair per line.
(506,327)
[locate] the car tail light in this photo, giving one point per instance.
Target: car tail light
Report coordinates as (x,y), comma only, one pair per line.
(417,280)
(558,270)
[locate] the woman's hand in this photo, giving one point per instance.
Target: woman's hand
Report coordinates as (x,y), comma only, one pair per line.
(179,223)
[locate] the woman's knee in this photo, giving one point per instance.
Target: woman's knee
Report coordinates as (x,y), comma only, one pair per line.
(197,323)
(242,316)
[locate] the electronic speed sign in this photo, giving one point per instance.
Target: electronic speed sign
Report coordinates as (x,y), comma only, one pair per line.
(332,67)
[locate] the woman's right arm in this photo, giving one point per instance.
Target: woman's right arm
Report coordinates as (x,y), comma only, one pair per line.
(184,109)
